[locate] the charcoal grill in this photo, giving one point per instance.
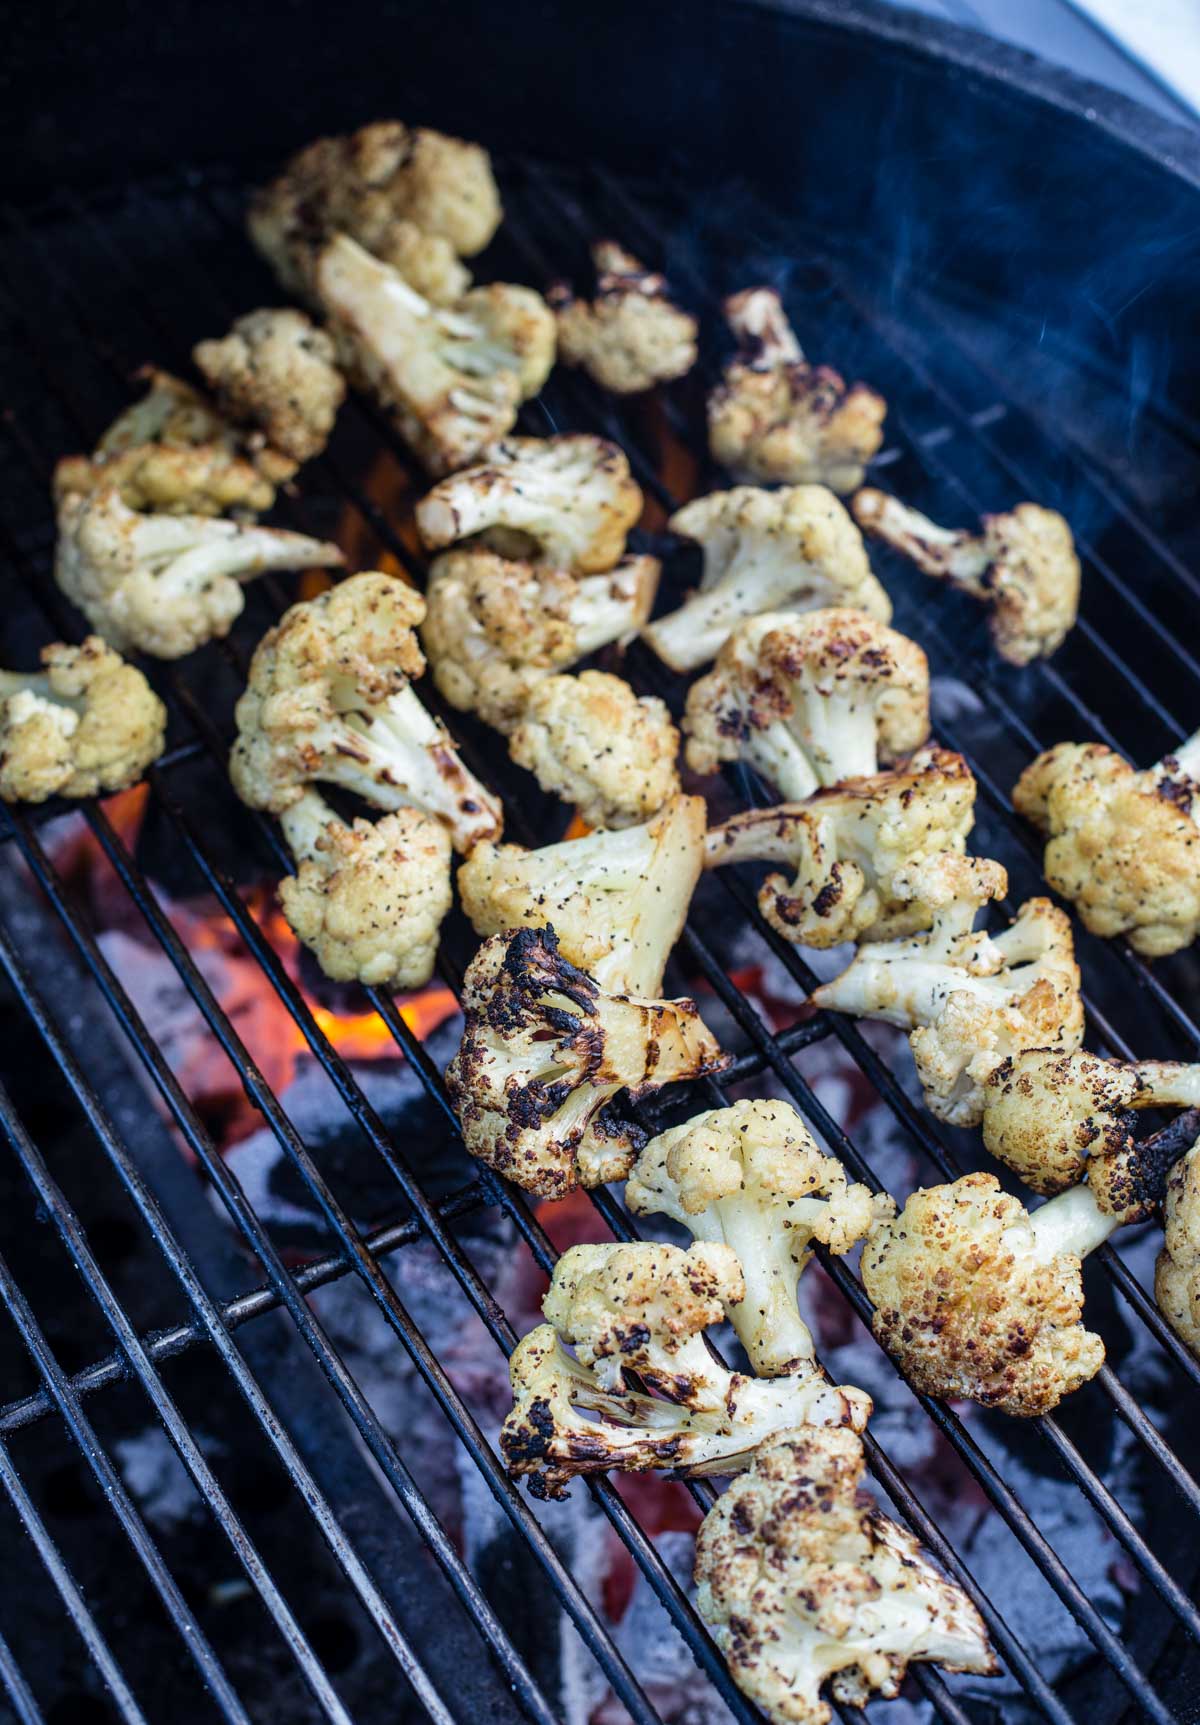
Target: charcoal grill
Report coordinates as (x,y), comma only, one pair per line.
(1072,390)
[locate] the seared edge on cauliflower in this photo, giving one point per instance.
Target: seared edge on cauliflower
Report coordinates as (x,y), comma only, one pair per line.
(629,337)
(275,370)
(495,627)
(844,845)
(969,999)
(368,898)
(591,741)
(643,1309)
(795,549)
(87,724)
(544,1051)
(809,700)
(750,1176)
(1023,565)
(803,1581)
(1122,845)
(1177,1270)
(617,900)
(567,500)
(166,584)
(329,698)
(776,417)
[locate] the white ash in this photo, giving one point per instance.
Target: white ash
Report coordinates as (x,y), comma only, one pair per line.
(158,1480)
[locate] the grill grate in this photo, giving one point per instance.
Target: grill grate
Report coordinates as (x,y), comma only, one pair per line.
(959,443)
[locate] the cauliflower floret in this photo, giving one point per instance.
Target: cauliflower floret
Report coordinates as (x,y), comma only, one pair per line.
(1177,1272)
(776,417)
(591,741)
(275,370)
(329,698)
(568,500)
(417,199)
(166,584)
(809,700)
(751,1177)
(1052,1118)
(367,899)
(968,999)
(643,1309)
(617,900)
(173,453)
(495,627)
(544,1051)
(1023,565)
(977,1297)
(845,844)
(629,337)
(790,550)
(803,1579)
(452,377)
(88,724)
(1123,846)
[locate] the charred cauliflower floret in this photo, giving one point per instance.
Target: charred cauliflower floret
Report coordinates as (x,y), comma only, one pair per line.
(417,199)
(275,371)
(566,501)
(367,899)
(1177,1272)
(844,845)
(776,417)
(329,699)
(790,550)
(451,377)
(809,700)
(544,1051)
(750,1176)
(977,1297)
(166,584)
(643,1309)
(804,1581)
(1122,845)
(591,741)
(495,626)
(629,337)
(1023,565)
(1052,1118)
(86,724)
(173,453)
(968,999)
(617,900)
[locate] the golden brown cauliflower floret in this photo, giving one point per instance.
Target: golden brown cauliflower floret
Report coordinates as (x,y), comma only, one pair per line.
(545,1050)
(629,337)
(329,699)
(87,724)
(1023,565)
(591,741)
(750,1176)
(275,370)
(845,844)
(616,900)
(173,453)
(776,417)
(1122,845)
(1177,1272)
(804,1581)
(643,1308)
(415,198)
(367,899)
(567,501)
(495,627)
(809,700)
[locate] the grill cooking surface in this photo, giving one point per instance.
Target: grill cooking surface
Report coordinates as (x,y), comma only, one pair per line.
(88,294)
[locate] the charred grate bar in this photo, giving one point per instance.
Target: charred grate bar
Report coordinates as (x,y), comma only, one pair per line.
(947,445)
